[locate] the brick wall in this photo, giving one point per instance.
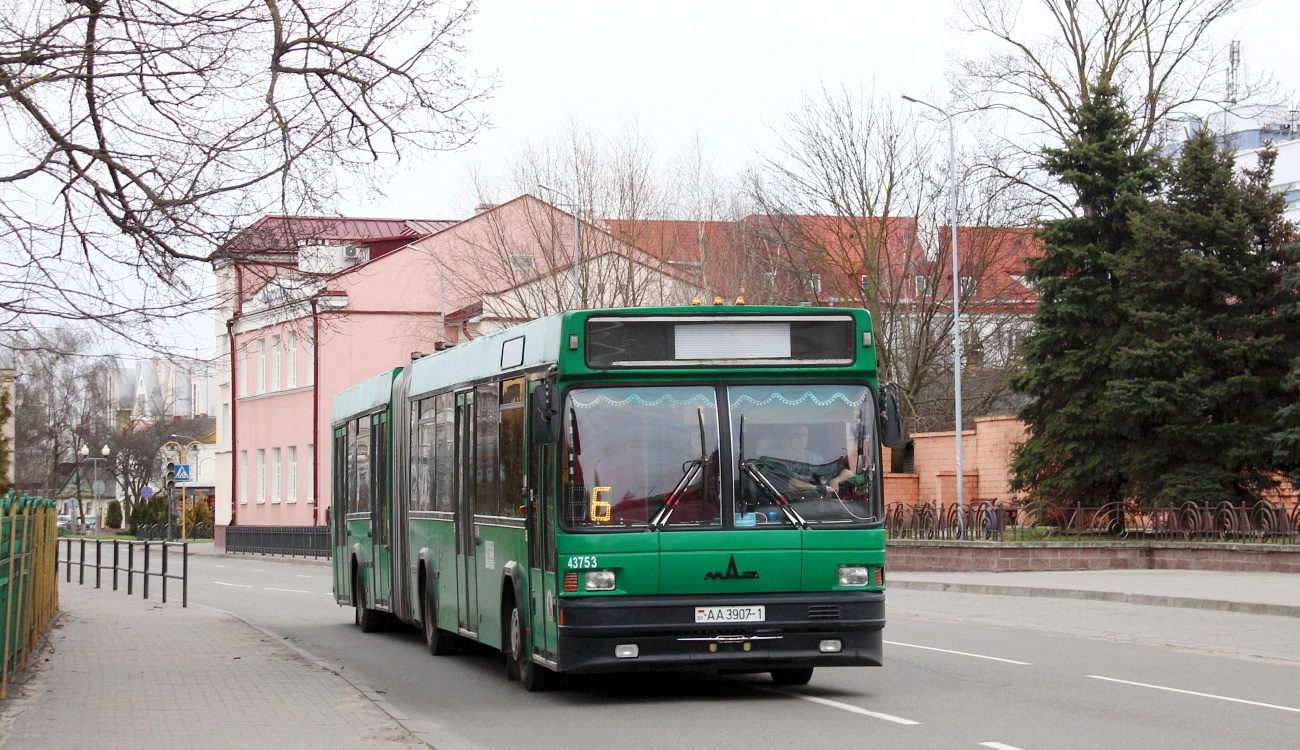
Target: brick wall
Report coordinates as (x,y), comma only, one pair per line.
(920,556)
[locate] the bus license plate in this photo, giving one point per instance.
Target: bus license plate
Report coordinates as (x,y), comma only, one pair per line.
(730,614)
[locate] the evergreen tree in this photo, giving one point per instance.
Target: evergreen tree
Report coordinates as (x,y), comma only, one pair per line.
(1069,456)
(1195,378)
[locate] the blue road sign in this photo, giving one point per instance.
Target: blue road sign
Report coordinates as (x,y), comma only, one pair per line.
(146,492)
(182,472)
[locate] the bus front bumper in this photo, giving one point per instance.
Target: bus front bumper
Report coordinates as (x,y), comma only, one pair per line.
(800,630)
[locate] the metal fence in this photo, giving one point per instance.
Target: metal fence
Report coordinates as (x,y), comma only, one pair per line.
(171,532)
(1262,522)
(124,558)
(28,583)
(290,541)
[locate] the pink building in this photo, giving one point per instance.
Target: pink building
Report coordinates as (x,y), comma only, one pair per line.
(313,306)
(318,304)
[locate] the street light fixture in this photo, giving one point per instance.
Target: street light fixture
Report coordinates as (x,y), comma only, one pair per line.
(956,292)
(573,205)
(103,456)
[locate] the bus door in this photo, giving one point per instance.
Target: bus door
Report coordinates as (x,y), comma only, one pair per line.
(380,510)
(466,534)
(338,511)
(541,548)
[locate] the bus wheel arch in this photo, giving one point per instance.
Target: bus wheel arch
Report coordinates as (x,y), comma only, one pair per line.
(516,636)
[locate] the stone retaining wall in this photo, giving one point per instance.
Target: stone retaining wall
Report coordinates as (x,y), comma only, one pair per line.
(925,556)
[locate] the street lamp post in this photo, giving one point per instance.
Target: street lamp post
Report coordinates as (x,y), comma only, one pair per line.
(956,311)
(103,456)
(573,205)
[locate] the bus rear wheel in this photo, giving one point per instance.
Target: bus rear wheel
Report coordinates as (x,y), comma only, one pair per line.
(367,619)
(533,676)
(792,676)
(439,641)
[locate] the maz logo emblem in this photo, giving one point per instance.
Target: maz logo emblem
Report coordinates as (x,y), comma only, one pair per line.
(731,573)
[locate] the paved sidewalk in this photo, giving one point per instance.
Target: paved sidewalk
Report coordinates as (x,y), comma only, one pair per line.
(124,672)
(1249,593)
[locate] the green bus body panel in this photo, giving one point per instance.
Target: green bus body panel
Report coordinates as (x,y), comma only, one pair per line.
(482,357)
(364,397)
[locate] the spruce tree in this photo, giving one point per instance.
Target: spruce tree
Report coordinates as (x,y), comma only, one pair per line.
(1069,456)
(1195,378)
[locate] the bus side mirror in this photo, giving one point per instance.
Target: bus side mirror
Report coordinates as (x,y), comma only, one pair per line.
(545,413)
(891,427)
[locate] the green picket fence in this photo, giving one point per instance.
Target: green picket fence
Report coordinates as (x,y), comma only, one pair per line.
(28,578)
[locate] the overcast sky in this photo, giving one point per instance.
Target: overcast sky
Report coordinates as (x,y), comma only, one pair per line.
(725,69)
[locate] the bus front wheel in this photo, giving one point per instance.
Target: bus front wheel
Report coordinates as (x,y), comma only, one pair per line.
(439,641)
(792,676)
(533,676)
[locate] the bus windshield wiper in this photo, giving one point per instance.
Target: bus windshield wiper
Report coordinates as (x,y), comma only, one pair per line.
(693,469)
(751,470)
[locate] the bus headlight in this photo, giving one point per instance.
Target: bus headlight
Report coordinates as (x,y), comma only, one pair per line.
(600,580)
(855,575)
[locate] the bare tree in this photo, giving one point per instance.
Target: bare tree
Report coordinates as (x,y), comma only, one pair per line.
(143,133)
(1160,54)
(605,179)
(855,213)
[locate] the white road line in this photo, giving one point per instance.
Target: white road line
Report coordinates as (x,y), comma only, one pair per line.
(1201,695)
(998,746)
(290,591)
(300,575)
(842,706)
(959,653)
(236,585)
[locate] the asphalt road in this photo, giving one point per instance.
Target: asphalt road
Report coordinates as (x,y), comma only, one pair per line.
(962,671)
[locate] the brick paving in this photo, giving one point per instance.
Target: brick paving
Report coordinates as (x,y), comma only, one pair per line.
(123,672)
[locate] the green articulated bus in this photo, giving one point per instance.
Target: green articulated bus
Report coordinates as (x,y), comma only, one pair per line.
(622,490)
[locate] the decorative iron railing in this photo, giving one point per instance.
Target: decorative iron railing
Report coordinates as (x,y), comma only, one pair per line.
(989,520)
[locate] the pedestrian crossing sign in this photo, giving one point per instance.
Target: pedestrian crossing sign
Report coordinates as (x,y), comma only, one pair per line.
(182,472)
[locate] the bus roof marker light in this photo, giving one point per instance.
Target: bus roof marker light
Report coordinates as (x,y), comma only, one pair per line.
(573,342)
(717,300)
(696,301)
(740,300)
(866,339)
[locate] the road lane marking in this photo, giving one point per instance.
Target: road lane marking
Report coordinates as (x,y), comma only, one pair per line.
(998,746)
(1201,695)
(842,706)
(236,585)
(300,575)
(290,591)
(959,653)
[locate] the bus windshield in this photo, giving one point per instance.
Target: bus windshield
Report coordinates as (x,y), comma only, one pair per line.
(642,456)
(803,455)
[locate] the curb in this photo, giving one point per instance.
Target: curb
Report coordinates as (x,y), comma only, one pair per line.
(1250,608)
(420,733)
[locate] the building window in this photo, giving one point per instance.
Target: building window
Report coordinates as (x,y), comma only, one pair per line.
(309,476)
(923,286)
(243,370)
(521,262)
(259,349)
(277,476)
(260,478)
(967,286)
(291,492)
(291,348)
(243,477)
(309,348)
(225,425)
(813,283)
(275,363)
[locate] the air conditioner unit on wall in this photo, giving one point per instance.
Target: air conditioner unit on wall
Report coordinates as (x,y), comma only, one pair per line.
(352,252)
